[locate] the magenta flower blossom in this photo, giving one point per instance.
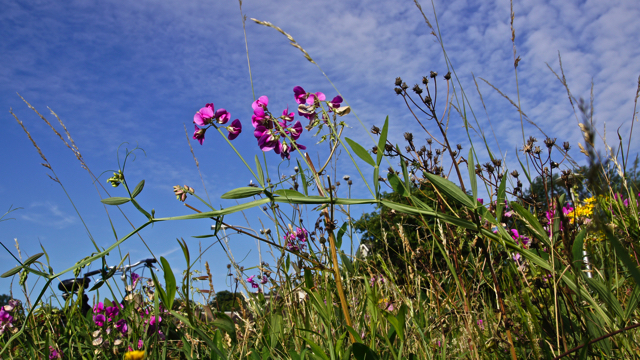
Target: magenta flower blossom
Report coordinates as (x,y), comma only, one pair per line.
(121,326)
(285,149)
(287,116)
(204,116)
(54,354)
(222,116)
(153,321)
(198,134)
(98,308)
(140,344)
(134,278)
(481,201)
(295,131)
(6,321)
(234,129)
(336,101)
(312,98)
(481,324)
(296,241)
(99,320)
(264,280)
(299,94)
(112,312)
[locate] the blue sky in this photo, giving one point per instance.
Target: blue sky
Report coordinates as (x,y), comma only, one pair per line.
(136,72)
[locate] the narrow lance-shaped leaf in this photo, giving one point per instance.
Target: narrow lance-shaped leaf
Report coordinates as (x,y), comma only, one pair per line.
(450,189)
(115,200)
(361,152)
(472,174)
(241,193)
(137,189)
(383,141)
(260,172)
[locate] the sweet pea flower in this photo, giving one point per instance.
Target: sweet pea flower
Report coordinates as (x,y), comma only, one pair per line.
(6,321)
(54,354)
(140,344)
(234,129)
(262,103)
(134,278)
(99,320)
(295,131)
(336,101)
(286,115)
(121,326)
(222,116)
(311,99)
(98,308)
(204,116)
(299,94)
(481,201)
(264,280)
(198,134)
(112,312)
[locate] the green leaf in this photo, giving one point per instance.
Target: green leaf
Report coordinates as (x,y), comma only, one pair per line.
(12,272)
(162,295)
(260,172)
(202,236)
(578,245)
(632,303)
(623,255)
(241,193)
(396,324)
(607,297)
(308,278)
(224,322)
(115,200)
(361,152)
(383,141)
(346,262)
(303,177)
(317,350)
(32,259)
(137,189)
(397,185)
(450,189)
(170,282)
(341,232)
(531,223)
(363,352)
(288,193)
(472,174)
(501,195)
(354,333)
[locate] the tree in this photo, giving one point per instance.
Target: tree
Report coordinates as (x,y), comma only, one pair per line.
(4,299)
(228,301)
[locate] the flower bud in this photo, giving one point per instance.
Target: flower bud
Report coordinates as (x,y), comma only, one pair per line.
(398,81)
(433,74)
(416,89)
(447,76)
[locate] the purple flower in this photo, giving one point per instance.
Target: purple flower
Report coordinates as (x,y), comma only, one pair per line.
(6,320)
(198,134)
(481,201)
(121,326)
(222,116)
(264,280)
(299,94)
(153,321)
(134,278)
(234,129)
(311,99)
(99,320)
(140,344)
(286,115)
(112,312)
(335,103)
(54,354)
(295,131)
(98,308)
(204,116)
(480,324)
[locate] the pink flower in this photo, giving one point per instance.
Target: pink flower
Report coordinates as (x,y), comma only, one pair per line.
(204,116)
(112,312)
(295,131)
(299,94)
(140,344)
(480,324)
(121,326)
(198,134)
(312,97)
(54,354)
(481,201)
(335,103)
(234,129)
(99,320)
(98,308)
(222,116)
(264,280)
(287,116)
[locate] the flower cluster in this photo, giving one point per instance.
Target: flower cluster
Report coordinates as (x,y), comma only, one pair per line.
(273,134)
(6,319)
(182,191)
(296,241)
(116,179)
(208,116)
(254,283)
(309,102)
(519,239)
(107,315)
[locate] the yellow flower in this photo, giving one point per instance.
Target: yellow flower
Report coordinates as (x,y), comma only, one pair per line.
(135,355)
